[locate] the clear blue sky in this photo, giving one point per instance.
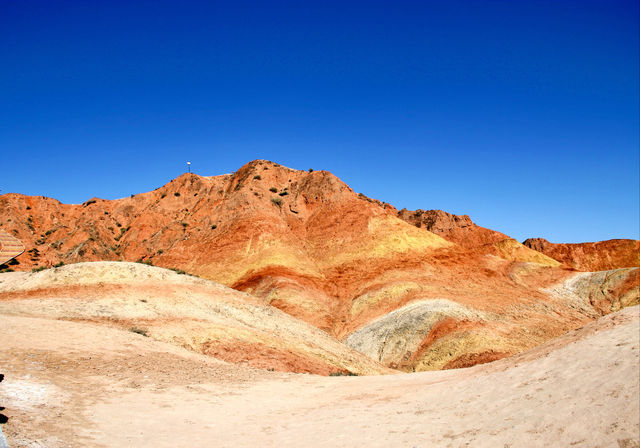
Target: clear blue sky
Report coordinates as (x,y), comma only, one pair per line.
(522,114)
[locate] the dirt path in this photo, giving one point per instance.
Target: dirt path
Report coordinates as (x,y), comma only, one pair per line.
(72,384)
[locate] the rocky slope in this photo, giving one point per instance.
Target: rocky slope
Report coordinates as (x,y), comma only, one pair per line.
(305,243)
(461,230)
(457,228)
(599,256)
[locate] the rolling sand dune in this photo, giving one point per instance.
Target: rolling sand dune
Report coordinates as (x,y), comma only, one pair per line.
(190,312)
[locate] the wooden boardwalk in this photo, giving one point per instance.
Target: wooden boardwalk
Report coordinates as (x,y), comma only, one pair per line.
(10,247)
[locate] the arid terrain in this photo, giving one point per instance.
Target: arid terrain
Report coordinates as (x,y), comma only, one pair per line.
(216,304)
(414,291)
(81,385)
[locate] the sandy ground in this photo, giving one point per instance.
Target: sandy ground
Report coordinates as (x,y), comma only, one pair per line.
(76,384)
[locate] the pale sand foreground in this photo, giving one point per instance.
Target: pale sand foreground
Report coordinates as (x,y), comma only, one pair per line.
(72,384)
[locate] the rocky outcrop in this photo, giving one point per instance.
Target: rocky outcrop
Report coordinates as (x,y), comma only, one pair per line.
(461,230)
(456,228)
(599,256)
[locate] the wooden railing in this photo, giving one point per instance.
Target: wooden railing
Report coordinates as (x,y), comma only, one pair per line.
(10,247)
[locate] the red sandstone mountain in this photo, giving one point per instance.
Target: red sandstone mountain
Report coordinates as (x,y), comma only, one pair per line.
(457,228)
(305,243)
(461,230)
(600,256)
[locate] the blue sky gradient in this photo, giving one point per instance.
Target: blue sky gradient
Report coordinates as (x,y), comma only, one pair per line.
(522,114)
